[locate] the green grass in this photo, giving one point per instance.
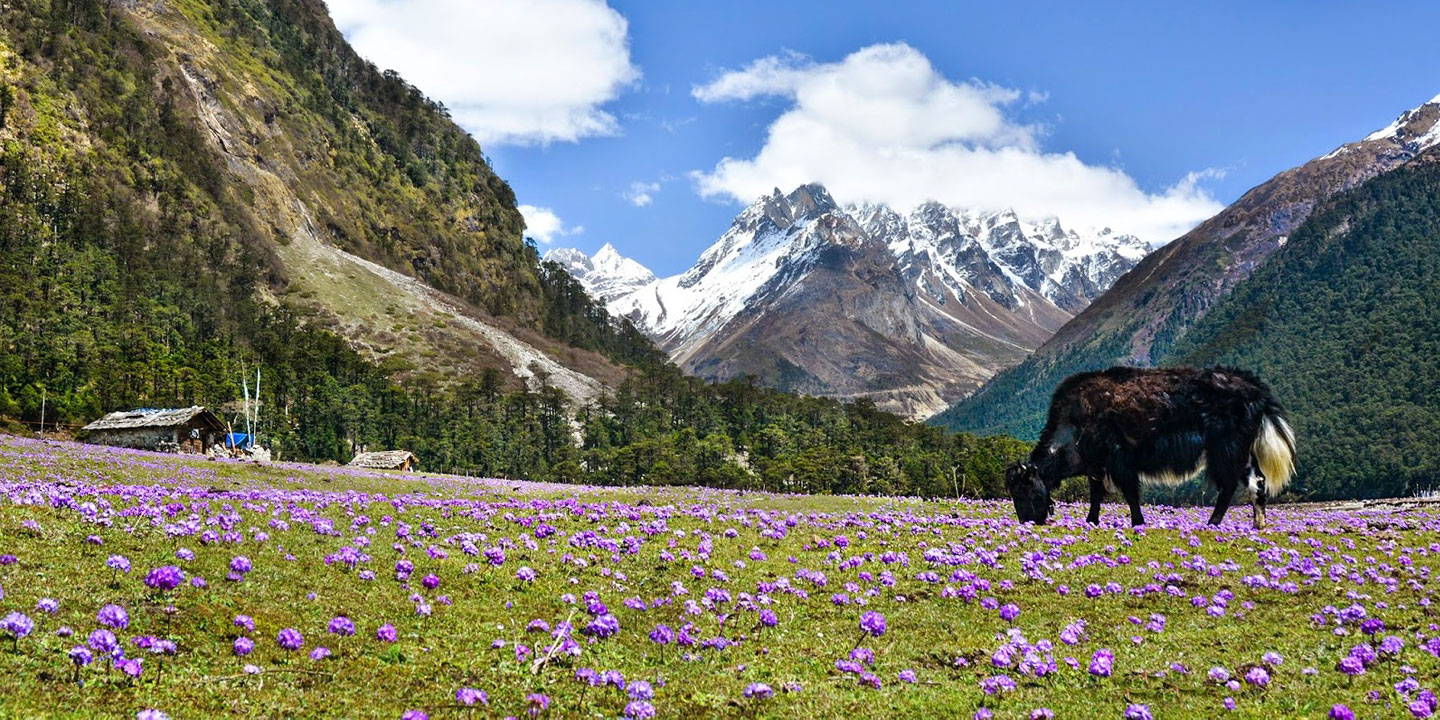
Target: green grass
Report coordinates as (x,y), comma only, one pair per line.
(450,649)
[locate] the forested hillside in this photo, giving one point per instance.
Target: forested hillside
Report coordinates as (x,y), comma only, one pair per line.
(1344,323)
(1140,319)
(159,167)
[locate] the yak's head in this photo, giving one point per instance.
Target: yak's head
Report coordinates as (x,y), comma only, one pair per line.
(1030,493)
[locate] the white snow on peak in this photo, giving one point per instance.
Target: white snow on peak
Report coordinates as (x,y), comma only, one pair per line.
(780,233)
(1416,130)
(605,275)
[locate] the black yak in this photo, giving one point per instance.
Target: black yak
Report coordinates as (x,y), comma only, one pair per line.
(1126,426)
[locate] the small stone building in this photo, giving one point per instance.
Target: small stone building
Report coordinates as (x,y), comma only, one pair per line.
(188,430)
(385,460)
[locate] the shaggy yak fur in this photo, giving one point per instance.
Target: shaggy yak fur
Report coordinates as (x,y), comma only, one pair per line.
(1126,426)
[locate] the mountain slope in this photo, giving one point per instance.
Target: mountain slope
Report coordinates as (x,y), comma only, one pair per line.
(1149,308)
(213,163)
(1343,322)
(909,310)
(184,183)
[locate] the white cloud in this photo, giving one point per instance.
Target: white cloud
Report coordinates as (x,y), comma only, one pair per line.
(510,72)
(544,225)
(641,194)
(883,125)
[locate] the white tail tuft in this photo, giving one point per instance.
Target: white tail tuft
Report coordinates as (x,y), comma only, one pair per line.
(1275,449)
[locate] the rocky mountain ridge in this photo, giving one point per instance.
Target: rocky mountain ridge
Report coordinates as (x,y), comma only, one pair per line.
(910,309)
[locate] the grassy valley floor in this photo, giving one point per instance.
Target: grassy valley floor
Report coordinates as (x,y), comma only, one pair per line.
(576,601)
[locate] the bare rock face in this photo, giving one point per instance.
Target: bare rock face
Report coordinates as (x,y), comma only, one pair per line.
(912,310)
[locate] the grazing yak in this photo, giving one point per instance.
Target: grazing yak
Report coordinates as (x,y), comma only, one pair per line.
(1126,426)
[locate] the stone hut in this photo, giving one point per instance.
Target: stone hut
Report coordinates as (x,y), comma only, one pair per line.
(188,430)
(385,460)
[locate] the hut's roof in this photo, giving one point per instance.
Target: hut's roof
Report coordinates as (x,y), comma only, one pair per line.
(150,417)
(384,460)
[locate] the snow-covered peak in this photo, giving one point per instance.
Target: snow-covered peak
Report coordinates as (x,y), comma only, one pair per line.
(1414,131)
(776,239)
(606,275)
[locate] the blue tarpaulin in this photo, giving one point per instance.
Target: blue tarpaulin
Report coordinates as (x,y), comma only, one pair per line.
(237,440)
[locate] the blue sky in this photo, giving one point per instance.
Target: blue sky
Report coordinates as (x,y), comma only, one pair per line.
(1142,94)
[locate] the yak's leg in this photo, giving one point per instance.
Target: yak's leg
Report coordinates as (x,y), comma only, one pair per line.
(1097,496)
(1257,480)
(1226,470)
(1129,484)
(1222,503)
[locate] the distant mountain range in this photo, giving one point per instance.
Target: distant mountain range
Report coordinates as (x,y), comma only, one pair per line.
(912,310)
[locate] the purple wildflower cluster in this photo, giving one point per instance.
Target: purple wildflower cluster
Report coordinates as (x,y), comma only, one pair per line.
(713,586)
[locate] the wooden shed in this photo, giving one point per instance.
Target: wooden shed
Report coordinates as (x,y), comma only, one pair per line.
(189,430)
(385,460)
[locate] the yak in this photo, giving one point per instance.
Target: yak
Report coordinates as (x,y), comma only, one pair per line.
(1124,427)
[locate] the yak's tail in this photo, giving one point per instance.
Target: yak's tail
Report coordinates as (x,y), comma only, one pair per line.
(1274,450)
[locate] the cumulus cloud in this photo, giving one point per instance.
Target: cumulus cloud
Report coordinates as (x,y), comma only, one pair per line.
(641,194)
(544,225)
(883,125)
(510,72)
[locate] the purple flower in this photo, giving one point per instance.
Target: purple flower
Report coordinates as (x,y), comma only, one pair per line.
(341,625)
(290,639)
(386,633)
(1219,675)
(165,578)
(414,715)
(118,562)
(538,703)
(240,564)
(431,581)
(1138,712)
(662,635)
(244,646)
(1009,611)
(1351,665)
(908,676)
(47,605)
(640,710)
(873,623)
(17,624)
(470,696)
(1421,709)
(1102,663)
(1341,712)
(525,574)
(113,616)
(997,684)
(151,714)
(1042,713)
(1258,677)
(768,618)
(1272,659)
(759,690)
(320,653)
(103,641)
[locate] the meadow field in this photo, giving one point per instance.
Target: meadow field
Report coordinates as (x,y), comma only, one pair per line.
(145,585)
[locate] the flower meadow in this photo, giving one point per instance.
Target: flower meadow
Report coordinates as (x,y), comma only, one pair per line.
(152,586)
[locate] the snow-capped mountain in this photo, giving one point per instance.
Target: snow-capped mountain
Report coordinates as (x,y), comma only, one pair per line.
(607,275)
(910,309)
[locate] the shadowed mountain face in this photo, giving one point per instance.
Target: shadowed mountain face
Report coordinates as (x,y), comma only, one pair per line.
(1139,320)
(910,310)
